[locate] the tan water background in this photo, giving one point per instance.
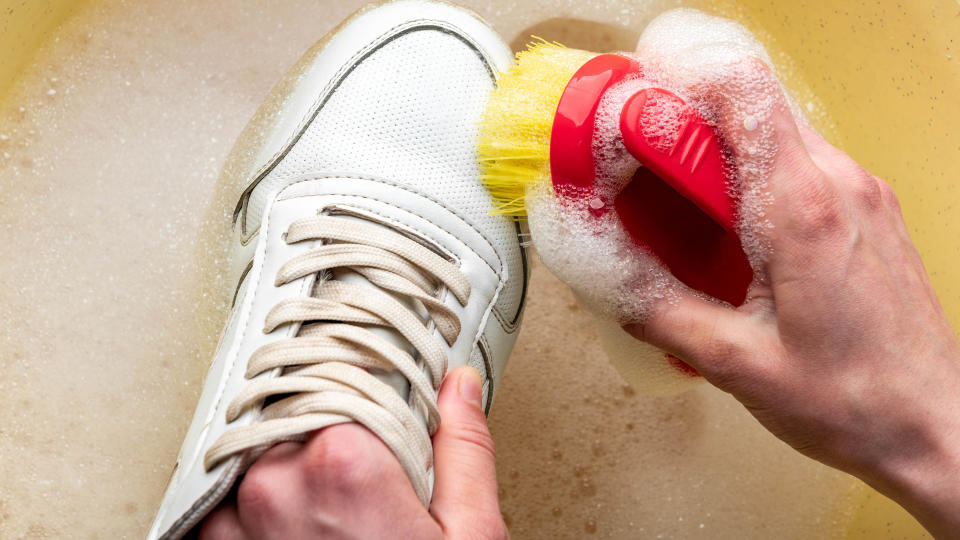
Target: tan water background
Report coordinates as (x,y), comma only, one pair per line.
(115,117)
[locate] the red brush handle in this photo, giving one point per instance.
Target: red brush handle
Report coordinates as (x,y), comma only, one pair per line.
(678,205)
(686,154)
(691,227)
(571,141)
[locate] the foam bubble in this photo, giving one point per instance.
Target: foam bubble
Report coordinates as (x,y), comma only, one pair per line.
(614,165)
(593,254)
(712,64)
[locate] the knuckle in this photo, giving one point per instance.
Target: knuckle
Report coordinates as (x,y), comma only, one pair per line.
(760,66)
(336,462)
(817,210)
(888,195)
(730,351)
(866,190)
(722,361)
(744,70)
(256,496)
(738,363)
(757,68)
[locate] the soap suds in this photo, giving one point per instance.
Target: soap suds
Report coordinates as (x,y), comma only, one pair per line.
(717,67)
(713,64)
(594,254)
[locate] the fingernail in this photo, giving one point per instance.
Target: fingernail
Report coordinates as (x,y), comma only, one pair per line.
(469,386)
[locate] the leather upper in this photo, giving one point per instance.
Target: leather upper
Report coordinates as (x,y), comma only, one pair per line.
(376,122)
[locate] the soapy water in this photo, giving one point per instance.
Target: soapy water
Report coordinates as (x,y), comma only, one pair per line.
(123,167)
(713,65)
(610,278)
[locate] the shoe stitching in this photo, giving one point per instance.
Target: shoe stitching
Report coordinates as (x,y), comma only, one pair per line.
(506,326)
(314,109)
(337,79)
(199,509)
(427,239)
(486,352)
(441,25)
(452,210)
(246,314)
(500,281)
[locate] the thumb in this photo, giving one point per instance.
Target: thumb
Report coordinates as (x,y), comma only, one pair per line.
(716,341)
(465,489)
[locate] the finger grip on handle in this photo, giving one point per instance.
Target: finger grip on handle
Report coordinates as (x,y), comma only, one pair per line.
(679,203)
(669,137)
(677,206)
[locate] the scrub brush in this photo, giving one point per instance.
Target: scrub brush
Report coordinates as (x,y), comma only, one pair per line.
(541,128)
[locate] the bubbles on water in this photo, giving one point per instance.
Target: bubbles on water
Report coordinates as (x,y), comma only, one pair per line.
(117,231)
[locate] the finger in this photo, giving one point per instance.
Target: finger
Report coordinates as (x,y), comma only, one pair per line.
(754,118)
(465,491)
(222,524)
(843,169)
(826,156)
(720,343)
(780,184)
(867,192)
(851,178)
(269,486)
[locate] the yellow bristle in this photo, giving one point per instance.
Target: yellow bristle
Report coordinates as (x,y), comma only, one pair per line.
(514,140)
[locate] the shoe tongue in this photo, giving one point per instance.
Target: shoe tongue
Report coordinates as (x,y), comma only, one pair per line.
(393,378)
(397,381)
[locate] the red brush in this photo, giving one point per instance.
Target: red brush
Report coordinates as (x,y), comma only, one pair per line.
(541,125)
(679,204)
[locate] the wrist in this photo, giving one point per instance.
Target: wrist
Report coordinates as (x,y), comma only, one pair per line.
(927,482)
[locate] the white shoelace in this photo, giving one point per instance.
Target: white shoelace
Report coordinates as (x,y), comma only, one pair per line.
(324,379)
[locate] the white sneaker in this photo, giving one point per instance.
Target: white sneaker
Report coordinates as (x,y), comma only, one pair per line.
(365,259)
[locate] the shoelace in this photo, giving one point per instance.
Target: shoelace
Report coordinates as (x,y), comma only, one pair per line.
(324,378)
